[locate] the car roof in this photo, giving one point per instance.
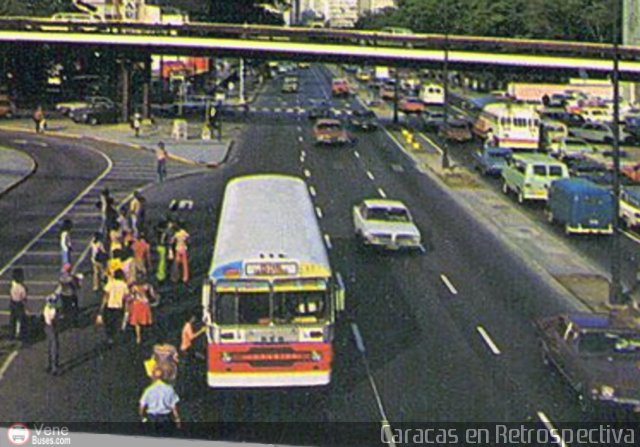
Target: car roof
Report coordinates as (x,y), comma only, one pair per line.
(384,203)
(607,321)
(543,158)
(327,121)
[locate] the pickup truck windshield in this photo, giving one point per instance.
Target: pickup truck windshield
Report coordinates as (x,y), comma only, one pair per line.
(388,215)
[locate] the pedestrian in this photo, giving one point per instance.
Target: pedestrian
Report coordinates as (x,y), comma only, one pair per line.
(65,241)
(136,123)
(189,334)
(17,304)
(99,258)
(104,201)
(140,306)
(161,161)
(164,232)
(39,119)
(181,261)
(141,255)
(159,403)
(51,317)
(116,291)
(135,212)
(68,287)
(124,224)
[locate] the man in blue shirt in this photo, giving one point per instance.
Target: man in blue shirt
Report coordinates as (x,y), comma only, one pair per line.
(159,402)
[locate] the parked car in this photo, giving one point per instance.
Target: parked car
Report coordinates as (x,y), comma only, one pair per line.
(385,223)
(595,114)
(551,133)
(364,74)
(630,206)
(569,119)
(97,114)
(432,119)
(456,130)
(363,119)
(571,147)
(583,167)
(290,85)
(387,92)
(330,131)
(597,354)
(600,133)
(410,105)
(69,107)
(340,88)
(580,206)
(632,172)
(530,176)
(7,108)
(490,160)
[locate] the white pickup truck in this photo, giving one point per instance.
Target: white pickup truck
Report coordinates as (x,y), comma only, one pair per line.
(385,223)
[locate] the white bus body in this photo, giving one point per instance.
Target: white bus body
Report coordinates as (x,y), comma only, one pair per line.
(513,126)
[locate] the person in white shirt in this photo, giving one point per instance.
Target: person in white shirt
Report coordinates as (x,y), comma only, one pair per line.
(50,314)
(65,241)
(17,304)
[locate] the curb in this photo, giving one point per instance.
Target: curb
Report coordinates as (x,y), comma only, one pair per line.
(532,264)
(25,177)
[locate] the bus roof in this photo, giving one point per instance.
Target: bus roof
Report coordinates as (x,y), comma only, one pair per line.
(267,217)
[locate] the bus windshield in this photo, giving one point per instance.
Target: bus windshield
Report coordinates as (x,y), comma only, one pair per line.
(242,308)
(294,307)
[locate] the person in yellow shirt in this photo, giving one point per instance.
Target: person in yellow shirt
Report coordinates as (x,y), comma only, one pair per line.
(115,292)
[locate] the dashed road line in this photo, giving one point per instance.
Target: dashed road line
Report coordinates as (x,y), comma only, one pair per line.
(327,240)
(487,339)
(312,191)
(382,193)
(357,154)
(370,175)
(448,283)
(303,153)
(319,212)
(307,173)
(553,430)
(299,128)
(300,139)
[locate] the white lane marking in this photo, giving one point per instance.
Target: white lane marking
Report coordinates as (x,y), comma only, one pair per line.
(549,426)
(357,154)
(319,212)
(7,363)
(300,139)
(40,143)
(312,191)
(370,175)
(303,154)
(432,143)
(62,213)
(327,241)
(632,236)
(382,193)
(386,427)
(487,339)
(19,141)
(301,159)
(307,173)
(448,283)
(299,128)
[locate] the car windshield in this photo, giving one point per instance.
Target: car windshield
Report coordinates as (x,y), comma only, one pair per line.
(331,127)
(364,114)
(389,214)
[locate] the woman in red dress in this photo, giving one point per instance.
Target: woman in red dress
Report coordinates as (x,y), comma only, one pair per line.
(140,307)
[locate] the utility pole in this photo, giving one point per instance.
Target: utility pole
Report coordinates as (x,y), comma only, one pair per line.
(616,296)
(445,85)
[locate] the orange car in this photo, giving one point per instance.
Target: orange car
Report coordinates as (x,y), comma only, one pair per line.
(330,131)
(340,87)
(632,172)
(411,104)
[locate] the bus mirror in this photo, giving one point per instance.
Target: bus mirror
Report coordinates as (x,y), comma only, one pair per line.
(206,295)
(339,294)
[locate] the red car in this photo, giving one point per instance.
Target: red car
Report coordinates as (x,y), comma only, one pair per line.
(411,104)
(330,131)
(340,87)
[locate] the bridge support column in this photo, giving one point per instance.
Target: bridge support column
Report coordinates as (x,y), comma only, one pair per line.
(125,89)
(146,88)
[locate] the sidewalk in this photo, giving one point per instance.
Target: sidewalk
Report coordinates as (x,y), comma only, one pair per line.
(15,167)
(193,150)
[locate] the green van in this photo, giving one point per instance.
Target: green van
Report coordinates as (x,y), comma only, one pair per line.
(530,176)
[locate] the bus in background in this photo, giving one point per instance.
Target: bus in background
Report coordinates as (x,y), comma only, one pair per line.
(432,94)
(270,298)
(511,126)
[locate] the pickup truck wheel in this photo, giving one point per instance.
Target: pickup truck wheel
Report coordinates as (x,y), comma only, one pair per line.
(520,197)
(505,188)
(93,121)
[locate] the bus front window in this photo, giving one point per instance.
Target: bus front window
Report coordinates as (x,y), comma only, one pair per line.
(291,307)
(242,308)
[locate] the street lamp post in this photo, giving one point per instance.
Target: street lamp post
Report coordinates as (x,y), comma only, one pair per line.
(616,296)
(445,85)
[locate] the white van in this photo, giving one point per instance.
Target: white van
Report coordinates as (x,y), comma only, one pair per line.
(432,94)
(530,176)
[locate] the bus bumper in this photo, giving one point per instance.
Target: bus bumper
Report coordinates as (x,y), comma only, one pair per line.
(267,379)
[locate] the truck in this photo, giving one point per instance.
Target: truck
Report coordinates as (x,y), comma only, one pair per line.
(381,73)
(581,206)
(528,91)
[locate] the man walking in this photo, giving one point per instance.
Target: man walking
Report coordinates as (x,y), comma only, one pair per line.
(18,301)
(65,241)
(50,314)
(115,292)
(161,159)
(68,285)
(159,403)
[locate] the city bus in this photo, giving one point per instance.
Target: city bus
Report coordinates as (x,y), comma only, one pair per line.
(270,298)
(513,126)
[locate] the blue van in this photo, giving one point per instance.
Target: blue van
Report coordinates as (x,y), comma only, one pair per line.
(581,206)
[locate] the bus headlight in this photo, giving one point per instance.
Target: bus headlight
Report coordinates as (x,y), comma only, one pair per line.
(315,356)
(607,391)
(226,357)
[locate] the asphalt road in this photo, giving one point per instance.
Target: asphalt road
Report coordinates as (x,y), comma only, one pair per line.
(425,318)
